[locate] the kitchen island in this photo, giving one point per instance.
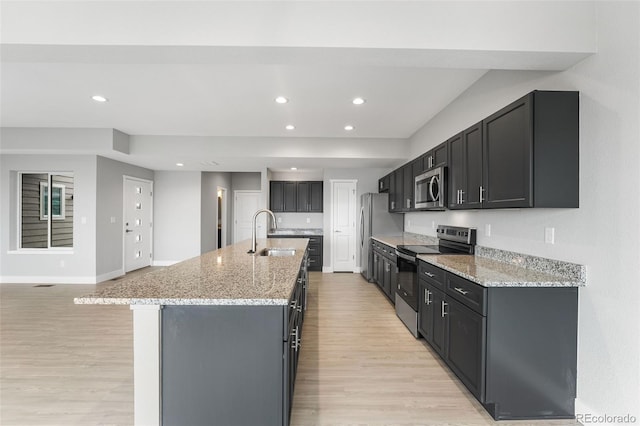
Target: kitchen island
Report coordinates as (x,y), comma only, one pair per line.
(216,337)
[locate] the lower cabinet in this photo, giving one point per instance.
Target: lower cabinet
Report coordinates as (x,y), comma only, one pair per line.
(231,364)
(385,272)
(315,249)
(514,348)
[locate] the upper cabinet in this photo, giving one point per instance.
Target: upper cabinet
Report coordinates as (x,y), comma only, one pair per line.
(293,196)
(524,155)
(384,183)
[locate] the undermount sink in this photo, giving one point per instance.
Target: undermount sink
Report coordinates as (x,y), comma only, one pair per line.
(277,251)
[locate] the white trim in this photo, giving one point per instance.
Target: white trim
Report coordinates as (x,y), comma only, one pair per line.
(327,269)
(110,275)
(164,262)
(357,270)
(224,215)
(23,279)
(147,353)
(29,251)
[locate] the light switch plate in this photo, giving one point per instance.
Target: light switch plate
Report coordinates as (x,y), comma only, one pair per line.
(487,230)
(308,220)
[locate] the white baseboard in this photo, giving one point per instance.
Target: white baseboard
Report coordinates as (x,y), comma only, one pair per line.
(109,275)
(5,279)
(357,270)
(327,269)
(164,262)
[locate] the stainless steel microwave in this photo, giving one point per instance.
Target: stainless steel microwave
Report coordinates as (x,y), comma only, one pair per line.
(430,192)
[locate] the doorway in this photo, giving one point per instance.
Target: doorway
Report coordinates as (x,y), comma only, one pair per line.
(221,240)
(246,203)
(343,225)
(137,223)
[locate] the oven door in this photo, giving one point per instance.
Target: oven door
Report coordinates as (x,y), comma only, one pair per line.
(430,190)
(407,280)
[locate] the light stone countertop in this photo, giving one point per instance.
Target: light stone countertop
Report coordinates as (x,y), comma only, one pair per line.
(228,276)
(295,232)
(497,268)
(493,273)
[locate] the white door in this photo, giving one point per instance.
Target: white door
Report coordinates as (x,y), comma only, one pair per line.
(138,223)
(246,203)
(343,224)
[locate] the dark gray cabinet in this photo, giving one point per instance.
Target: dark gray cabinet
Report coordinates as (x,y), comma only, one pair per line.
(235,364)
(465,169)
(514,348)
(524,155)
(294,196)
(314,249)
(396,193)
(310,196)
(384,183)
(438,156)
(385,272)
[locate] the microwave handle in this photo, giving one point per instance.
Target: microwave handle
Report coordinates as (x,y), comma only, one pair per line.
(431,182)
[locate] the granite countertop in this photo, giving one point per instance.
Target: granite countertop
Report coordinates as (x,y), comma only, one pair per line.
(493,273)
(497,268)
(405,239)
(228,276)
(284,232)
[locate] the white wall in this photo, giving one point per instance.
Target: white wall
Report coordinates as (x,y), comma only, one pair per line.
(299,220)
(603,233)
(109,236)
(209,209)
(177,213)
(78,266)
(367,182)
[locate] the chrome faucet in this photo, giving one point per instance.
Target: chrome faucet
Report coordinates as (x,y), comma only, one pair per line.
(254,244)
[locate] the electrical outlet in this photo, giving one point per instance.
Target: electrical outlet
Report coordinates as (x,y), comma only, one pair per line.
(550,235)
(487,230)
(308,220)
(62,263)
(433,224)
(408,223)
(279,220)
(113,219)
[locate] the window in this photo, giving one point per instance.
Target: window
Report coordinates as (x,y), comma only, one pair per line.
(41,194)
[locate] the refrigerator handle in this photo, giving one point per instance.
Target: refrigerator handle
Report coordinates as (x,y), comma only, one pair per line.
(361,226)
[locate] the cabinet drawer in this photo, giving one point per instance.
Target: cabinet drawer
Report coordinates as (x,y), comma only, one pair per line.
(472,295)
(315,240)
(431,274)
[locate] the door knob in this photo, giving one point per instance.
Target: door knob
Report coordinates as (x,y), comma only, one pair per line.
(128,230)
(337,230)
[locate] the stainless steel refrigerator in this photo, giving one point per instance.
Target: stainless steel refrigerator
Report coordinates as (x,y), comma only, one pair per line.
(375,219)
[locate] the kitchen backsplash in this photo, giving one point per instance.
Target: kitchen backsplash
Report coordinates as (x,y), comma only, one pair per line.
(300,220)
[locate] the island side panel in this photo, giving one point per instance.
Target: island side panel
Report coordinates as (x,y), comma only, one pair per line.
(222,365)
(146,364)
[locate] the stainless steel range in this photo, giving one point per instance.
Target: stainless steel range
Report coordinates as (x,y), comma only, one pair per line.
(451,240)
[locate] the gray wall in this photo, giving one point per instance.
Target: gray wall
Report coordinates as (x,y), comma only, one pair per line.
(603,233)
(177,213)
(77,265)
(209,209)
(109,236)
(367,182)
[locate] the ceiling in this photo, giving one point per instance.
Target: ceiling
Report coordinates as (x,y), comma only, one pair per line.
(222,86)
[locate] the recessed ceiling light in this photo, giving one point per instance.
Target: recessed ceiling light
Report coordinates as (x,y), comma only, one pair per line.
(179,164)
(349,127)
(358,101)
(290,127)
(282,100)
(294,168)
(99,98)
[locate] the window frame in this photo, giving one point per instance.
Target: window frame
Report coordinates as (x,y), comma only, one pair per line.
(62,216)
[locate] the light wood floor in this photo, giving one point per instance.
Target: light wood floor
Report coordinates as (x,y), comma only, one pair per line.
(66,364)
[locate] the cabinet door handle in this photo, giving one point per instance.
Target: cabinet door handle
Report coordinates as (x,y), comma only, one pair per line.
(429,274)
(443,306)
(461,291)
(408,203)
(294,304)
(481,191)
(427,296)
